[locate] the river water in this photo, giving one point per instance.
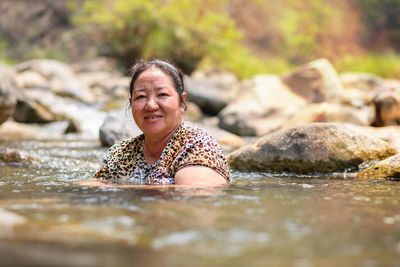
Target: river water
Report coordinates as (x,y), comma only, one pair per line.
(256,220)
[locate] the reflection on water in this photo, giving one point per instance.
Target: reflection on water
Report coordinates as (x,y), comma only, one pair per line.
(46,219)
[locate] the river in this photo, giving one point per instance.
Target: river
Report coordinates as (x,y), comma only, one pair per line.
(259,219)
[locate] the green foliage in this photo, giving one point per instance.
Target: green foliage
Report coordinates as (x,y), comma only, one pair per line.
(188,33)
(383,65)
(301,26)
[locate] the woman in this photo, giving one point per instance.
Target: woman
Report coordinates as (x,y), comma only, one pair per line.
(170,151)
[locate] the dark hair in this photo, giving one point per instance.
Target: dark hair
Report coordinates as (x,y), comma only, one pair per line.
(172,71)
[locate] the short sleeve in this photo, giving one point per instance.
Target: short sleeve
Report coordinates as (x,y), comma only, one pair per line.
(204,151)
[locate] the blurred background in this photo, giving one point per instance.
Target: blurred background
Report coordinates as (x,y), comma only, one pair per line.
(245,37)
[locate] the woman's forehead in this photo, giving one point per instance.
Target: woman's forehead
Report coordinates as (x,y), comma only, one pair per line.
(153,74)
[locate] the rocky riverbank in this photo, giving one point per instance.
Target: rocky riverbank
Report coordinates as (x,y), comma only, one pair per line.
(309,120)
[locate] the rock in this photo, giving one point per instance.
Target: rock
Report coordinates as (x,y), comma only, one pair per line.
(14,131)
(263,104)
(73,126)
(8,97)
(211,92)
(9,220)
(193,112)
(311,148)
(316,81)
(389,134)
(11,130)
(365,82)
(60,78)
(330,112)
(387,105)
(30,111)
(105,86)
(116,127)
(31,79)
(389,167)
(15,157)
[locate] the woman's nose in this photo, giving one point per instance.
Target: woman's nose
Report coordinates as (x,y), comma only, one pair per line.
(151,104)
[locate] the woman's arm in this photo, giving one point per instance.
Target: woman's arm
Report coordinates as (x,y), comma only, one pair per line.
(199,176)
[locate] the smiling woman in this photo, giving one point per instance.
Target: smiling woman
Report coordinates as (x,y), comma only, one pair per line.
(170,151)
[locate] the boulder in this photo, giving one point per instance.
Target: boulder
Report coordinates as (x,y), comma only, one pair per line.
(212,91)
(8,88)
(389,134)
(11,130)
(30,111)
(365,82)
(31,79)
(193,112)
(330,112)
(263,104)
(15,157)
(311,148)
(60,78)
(73,126)
(105,86)
(316,81)
(387,105)
(117,126)
(389,167)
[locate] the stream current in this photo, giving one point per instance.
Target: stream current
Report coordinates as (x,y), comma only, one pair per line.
(259,219)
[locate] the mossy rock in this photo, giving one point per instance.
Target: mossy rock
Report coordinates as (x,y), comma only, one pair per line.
(388,168)
(311,148)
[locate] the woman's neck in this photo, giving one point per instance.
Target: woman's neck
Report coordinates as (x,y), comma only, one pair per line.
(154,146)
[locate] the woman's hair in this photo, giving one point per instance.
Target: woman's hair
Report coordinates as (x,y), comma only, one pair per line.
(170,70)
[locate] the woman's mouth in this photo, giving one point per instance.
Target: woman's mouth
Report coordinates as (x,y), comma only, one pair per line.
(152,117)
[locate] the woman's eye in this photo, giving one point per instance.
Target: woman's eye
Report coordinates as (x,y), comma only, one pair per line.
(163,94)
(139,97)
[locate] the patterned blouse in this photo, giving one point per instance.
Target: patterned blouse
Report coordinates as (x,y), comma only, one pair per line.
(188,146)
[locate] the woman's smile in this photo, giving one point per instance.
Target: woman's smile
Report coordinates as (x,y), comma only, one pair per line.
(152,117)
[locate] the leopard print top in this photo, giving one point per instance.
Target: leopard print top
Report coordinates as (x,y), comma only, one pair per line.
(188,146)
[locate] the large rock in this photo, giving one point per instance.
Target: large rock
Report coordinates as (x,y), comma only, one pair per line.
(8,97)
(389,167)
(316,81)
(118,125)
(59,76)
(360,88)
(365,82)
(330,112)
(387,105)
(30,111)
(211,91)
(263,104)
(310,148)
(15,131)
(390,134)
(105,86)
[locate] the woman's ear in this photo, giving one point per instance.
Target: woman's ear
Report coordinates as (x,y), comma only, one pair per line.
(183,104)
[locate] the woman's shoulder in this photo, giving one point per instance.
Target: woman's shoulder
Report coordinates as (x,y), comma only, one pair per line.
(196,135)
(130,144)
(192,131)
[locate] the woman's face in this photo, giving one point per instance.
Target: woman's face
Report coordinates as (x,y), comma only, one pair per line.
(155,103)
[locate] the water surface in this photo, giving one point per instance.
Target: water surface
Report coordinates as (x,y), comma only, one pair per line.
(256,220)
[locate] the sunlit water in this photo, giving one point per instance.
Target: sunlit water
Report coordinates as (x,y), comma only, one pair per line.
(257,220)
